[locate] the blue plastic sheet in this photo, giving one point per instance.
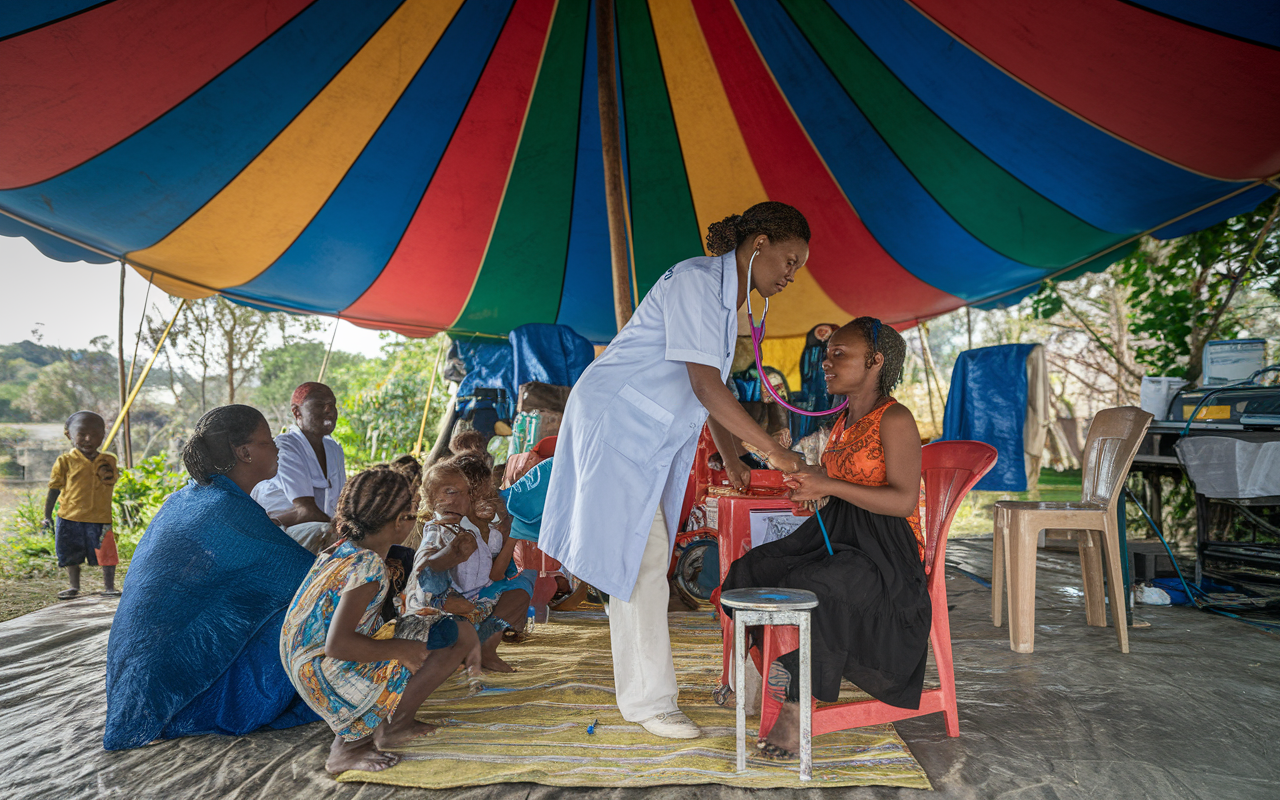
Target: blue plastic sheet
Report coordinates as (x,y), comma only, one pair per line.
(490,365)
(988,403)
(551,354)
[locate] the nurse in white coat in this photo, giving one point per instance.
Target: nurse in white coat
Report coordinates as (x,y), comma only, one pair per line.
(629,434)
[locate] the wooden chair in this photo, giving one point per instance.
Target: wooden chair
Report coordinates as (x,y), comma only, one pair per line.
(949,470)
(1114,437)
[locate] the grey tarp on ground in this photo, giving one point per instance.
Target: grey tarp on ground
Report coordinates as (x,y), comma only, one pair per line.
(1189,713)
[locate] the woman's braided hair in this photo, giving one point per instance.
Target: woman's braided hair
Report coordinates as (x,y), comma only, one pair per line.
(370,500)
(779,221)
(408,466)
(211,450)
(889,343)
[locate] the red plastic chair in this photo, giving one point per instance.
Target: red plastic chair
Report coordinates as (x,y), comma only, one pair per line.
(949,471)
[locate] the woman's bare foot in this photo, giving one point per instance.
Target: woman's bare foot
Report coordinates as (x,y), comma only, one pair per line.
(784,738)
(361,754)
(396,732)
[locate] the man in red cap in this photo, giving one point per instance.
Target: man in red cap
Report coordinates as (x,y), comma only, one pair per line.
(303,495)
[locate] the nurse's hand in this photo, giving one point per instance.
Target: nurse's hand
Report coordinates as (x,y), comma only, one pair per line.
(784,460)
(739,474)
(807,486)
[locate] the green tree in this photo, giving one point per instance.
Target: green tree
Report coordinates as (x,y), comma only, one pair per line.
(284,368)
(1172,297)
(381,409)
(224,341)
(79,380)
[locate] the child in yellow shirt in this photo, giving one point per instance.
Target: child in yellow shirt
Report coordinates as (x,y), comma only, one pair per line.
(84,478)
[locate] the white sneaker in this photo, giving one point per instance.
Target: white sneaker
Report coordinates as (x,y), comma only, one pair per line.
(672,725)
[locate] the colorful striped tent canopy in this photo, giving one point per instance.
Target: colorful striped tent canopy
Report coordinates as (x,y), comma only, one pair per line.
(425,165)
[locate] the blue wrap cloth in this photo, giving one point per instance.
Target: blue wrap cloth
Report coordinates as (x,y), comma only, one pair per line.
(988,403)
(525,500)
(551,354)
(195,644)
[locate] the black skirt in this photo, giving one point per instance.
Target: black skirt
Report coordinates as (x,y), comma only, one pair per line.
(872,622)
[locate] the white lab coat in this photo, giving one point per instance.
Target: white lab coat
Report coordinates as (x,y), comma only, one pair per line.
(631,425)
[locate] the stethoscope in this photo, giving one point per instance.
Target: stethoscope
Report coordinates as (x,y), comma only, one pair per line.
(757,336)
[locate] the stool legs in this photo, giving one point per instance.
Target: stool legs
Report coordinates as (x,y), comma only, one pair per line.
(806,700)
(742,618)
(740,681)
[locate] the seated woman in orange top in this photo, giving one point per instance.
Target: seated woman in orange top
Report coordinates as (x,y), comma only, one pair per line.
(872,622)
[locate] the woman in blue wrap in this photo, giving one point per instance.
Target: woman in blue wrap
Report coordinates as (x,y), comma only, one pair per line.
(195,644)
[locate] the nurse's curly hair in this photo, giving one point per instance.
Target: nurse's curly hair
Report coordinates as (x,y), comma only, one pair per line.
(211,450)
(370,500)
(779,221)
(882,339)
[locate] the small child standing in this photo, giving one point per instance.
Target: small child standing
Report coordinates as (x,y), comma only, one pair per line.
(365,686)
(84,479)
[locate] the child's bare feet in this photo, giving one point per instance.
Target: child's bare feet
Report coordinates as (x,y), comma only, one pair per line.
(783,743)
(361,754)
(492,663)
(395,733)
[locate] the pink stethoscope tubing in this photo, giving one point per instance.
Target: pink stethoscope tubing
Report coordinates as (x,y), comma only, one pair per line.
(757,336)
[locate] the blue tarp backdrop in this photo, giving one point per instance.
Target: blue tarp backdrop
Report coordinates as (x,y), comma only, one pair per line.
(988,403)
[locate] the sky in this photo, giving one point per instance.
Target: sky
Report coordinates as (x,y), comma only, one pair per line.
(70,304)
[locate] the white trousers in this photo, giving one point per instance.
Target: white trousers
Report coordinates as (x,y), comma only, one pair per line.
(643,673)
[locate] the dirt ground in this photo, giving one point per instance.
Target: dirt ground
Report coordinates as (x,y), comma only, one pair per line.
(22,596)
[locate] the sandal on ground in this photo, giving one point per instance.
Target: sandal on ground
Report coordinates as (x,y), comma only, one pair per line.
(110,593)
(772,752)
(513,636)
(570,601)
(67,594)
(724,696)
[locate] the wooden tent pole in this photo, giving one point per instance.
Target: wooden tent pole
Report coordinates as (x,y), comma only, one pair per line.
(123,449)
(324,365)
(133,393)
(611,139)
(426,408)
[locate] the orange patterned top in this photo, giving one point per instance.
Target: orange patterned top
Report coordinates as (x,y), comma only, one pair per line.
(856,455)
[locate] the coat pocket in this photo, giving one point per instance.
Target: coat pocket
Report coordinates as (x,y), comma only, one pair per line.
(635,426)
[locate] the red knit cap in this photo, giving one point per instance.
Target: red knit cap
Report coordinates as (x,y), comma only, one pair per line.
(304,391)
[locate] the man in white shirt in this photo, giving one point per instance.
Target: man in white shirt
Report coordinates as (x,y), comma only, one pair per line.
(303,496)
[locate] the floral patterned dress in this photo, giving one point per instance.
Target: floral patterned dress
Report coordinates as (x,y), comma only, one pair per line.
(353,697)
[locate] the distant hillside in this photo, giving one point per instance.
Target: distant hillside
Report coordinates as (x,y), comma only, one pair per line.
(26,350)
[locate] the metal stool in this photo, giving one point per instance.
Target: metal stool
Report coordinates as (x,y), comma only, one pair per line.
(772,607)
